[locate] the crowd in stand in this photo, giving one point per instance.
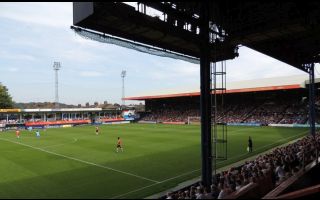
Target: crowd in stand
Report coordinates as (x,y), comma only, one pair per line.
(268,112)
(268,171)
(171,115)
(15,121)
(10,121)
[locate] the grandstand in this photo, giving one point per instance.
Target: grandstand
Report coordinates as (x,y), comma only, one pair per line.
(280,100)
(162,153)
(53,118)
(211,32)
(274,175)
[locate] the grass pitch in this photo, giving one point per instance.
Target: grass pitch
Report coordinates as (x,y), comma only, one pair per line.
(77,163)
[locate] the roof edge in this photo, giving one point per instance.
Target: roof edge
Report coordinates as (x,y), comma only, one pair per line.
(243,90)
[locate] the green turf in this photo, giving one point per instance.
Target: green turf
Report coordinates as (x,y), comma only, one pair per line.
(76,163)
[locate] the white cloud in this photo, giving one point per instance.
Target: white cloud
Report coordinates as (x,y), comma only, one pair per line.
(79,55)
(45,14)
(16,56)
(173,71)
(13,69)
(186,69)
(252,65)
(47,35)
(90,74)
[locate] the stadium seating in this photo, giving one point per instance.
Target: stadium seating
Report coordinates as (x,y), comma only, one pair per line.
(262,112)
(256,178)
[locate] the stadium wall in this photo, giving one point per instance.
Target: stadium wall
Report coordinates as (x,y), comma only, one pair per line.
(293,125)
(27,124)
(111,120)
(118,122)
(177,123)
(147,122)
(244,124)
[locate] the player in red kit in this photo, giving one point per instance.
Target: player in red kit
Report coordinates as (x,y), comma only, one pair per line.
(18,133)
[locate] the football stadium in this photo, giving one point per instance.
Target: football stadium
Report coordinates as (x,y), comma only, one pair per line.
(160,146)
(251,139)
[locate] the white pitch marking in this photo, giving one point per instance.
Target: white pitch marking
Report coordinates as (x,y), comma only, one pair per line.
(82,161)
(190,172)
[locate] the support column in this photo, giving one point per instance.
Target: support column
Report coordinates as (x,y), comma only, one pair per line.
(312,116)
(7,118)
(205,98)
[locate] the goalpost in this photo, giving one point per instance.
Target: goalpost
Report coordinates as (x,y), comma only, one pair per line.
(194,120)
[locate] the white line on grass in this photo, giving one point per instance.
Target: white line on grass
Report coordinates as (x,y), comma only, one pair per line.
(121,195)
(238,156)
(49,146)
(82,161)
(302,133)
(190,172)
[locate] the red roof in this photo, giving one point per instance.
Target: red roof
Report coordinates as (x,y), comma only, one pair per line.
(190,94)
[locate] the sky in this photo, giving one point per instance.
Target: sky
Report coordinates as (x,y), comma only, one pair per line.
(35,35)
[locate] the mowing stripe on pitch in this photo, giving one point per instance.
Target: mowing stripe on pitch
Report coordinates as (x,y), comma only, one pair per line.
(190,172)
(82,161)
(62,144)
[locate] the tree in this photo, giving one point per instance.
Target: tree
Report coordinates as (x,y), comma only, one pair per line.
(5,98)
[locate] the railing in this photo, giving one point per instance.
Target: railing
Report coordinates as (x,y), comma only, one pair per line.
(301,193)
(284,185)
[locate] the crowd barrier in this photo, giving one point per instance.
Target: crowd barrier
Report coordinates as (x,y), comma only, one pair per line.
(53,126)
(293,125)
(67,126)
(243,124)
(119,122)
(39,127)
(173,123)
(147,122)
(129,118)
(111,120)
(42,123)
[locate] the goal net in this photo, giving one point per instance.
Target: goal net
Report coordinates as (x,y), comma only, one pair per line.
(194,120)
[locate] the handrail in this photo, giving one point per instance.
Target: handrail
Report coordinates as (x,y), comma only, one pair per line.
(301,193)
(285,184)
